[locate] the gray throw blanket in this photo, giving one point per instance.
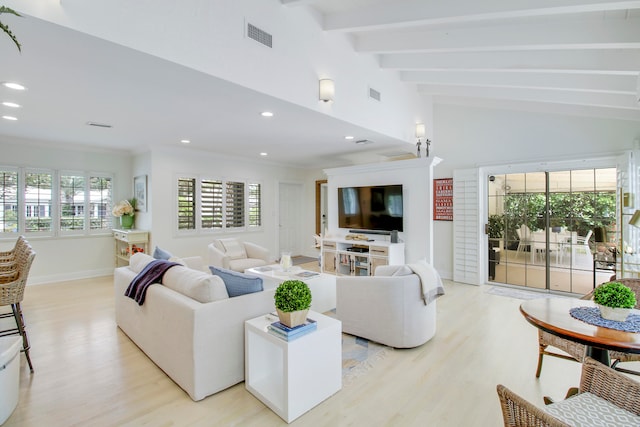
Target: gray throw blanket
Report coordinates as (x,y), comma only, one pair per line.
(429,280)
(152,273)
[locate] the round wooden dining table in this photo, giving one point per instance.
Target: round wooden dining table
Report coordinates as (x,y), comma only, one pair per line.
(552,315)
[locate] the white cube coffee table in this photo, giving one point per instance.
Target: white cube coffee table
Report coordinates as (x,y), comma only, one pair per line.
(322,285)
(293,377)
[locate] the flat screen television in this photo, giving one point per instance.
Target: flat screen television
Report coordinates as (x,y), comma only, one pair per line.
(376,208)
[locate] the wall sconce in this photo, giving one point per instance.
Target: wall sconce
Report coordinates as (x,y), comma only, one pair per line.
(635,219)
(327,90)
(421,133)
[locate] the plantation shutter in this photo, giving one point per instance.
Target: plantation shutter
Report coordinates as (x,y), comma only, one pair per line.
(466,226)
(186,203)
(255,206)
(211,204)
(234,210)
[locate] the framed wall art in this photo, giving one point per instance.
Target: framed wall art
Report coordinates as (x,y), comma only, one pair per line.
(443,199)
(140,192)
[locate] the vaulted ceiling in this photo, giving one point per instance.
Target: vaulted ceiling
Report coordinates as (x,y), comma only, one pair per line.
(565,56)
(575,57)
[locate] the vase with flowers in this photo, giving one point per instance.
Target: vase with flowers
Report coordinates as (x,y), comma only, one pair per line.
(126,211)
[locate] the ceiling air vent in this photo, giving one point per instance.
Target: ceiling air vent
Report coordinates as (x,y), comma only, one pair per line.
(99,125)
(374,94)
(259,35)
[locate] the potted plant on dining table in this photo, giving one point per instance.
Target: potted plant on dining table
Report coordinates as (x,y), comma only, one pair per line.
(615,300)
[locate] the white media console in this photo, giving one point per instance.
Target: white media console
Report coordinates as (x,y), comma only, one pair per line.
(359,257)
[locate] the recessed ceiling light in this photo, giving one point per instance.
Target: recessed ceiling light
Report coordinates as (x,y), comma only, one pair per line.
(9,118)
(263,154)
(185,141)
(12,85)
(11,104)
(348,137)
(267,114)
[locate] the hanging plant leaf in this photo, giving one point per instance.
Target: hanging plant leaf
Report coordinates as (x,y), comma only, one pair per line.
(6,29)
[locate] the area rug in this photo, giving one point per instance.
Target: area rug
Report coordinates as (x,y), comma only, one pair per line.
(359,355)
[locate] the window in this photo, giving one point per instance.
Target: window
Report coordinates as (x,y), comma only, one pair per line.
(186,203)
(50,202)
(37,201)
(72,195)
(234,212)
(210,204)
(8,202)
(100,202)
(255,206)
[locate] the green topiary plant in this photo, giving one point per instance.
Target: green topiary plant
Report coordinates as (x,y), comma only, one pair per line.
(614,295)
(5,28)
(292,295)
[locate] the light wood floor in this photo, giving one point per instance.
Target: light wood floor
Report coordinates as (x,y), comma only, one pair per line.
(88,373)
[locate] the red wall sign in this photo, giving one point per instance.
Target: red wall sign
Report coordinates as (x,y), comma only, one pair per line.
(443,199)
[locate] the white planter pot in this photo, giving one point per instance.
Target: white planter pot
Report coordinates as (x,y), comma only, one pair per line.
(617,314)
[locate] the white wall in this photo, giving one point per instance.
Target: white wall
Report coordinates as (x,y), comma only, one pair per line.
(467,137)
(416,185)
(167,164)
(68,257)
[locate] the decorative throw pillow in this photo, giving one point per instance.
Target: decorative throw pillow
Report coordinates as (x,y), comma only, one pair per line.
(161,254)
(237,283)
(233,248)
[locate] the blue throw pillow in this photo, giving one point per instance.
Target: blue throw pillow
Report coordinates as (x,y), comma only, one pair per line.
(237,283)
(161,254)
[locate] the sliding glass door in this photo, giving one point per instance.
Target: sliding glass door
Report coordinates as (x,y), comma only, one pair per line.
(544,227)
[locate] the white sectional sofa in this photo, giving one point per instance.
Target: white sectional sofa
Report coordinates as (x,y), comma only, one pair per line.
(199,345)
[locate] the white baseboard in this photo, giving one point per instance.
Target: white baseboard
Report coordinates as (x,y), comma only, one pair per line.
(76,275)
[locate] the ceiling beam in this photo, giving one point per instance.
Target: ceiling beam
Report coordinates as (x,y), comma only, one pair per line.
(609,34)
(623,62)
(610,100)
(570,82)
(540,107)
(390,15)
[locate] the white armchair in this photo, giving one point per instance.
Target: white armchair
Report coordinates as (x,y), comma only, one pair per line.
(238,256)
(386,309)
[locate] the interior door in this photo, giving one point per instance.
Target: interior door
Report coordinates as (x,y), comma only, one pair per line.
(290,218)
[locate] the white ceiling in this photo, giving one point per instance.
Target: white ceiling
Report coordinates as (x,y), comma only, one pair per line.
(566,56)
(575,57)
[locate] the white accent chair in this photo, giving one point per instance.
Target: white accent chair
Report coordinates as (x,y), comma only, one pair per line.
(234,255)
(524,238)
(386,308)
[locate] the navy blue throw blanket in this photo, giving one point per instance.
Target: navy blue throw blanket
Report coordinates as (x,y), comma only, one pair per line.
(152,273)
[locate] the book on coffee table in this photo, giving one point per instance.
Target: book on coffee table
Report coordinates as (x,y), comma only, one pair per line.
(288,334)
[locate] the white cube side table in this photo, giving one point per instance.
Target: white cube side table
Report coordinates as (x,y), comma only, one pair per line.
(293,377)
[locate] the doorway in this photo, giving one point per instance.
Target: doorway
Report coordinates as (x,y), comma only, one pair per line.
(543,227)
(290,218)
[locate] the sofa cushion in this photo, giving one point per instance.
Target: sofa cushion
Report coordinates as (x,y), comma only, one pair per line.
(393,270)
(238,283)
(138,261)
(161,254)
(233,249)
(586,409)
(195,284)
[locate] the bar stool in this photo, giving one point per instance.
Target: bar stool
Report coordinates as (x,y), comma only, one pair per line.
(12,285)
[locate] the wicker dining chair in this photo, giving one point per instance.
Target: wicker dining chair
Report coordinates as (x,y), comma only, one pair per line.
(12,286)
(10,255)
(576,351)
(597,379)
